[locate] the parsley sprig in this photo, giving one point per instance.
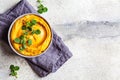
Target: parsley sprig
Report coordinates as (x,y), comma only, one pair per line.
(41,7)
(14,70)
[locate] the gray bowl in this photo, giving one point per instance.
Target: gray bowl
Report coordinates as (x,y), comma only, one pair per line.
(16,50)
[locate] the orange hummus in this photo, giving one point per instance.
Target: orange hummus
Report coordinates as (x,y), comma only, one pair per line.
(40,42)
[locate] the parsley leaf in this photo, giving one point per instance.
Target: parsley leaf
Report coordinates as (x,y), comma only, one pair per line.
(29,24)
(23,41)
(14,70)
(29,28)
(37,31)
(17,40)
(23,27)
(22,48)
(12,67)
(40,11)
(29,42)
(45,9)
(33,22)
(25,33)
(41,7)
(33,32)
(13,73)
(22,37)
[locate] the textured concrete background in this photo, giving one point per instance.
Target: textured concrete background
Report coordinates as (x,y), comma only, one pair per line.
(90,28)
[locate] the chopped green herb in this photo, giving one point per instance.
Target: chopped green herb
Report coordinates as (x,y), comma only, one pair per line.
(37,31)
(22,48)
(23,41)
(23,27)
(29,28)
(14,70)
(28,24)
(33,32)
(17,40)
(33,22)
(25,33)
(22,37)
(29,42)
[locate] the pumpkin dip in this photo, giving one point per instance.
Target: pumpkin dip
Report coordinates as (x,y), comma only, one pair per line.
(30,35)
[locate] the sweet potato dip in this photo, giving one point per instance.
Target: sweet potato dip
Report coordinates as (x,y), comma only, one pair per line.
(30,35)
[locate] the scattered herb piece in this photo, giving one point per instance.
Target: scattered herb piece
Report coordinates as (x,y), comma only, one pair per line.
(14,70)
(29,42)
(41,7)
(17,40)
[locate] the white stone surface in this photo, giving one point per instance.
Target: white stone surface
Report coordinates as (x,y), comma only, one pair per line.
(95,44)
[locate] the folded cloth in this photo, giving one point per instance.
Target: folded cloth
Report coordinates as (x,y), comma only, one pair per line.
(56,55)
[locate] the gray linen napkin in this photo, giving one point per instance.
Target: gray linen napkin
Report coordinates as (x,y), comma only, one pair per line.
(56,55)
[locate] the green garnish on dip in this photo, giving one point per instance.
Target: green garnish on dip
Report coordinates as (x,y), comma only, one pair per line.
(29,42)
(27,29)
(17,40)
(33,22)
(36,31)
(23,27)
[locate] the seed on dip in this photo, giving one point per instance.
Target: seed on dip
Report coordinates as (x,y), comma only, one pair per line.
(30,35)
